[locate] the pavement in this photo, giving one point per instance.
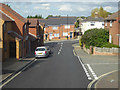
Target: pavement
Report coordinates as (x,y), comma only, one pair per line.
(12,65)
(102,69)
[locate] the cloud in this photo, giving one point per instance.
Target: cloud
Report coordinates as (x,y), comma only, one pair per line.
(108,8)
(18,7)
(60,0)
(26,12)
(40,7)
(81,9)
(47,4)
(65,8)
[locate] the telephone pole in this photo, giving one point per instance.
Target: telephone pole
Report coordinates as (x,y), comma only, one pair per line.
(67,26)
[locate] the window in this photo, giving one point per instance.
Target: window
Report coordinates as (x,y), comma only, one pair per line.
(110,23)
(67,26)
(92,23)
(40,49)
(56,35)
(55,28)
(44,29)
(110,38)
(4,27)
(106,23)
(65,34)
(103,24)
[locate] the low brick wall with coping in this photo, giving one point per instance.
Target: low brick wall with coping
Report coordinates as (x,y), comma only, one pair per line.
(106,51)
(102,51)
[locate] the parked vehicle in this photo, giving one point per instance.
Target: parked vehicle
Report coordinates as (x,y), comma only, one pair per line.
(42,51)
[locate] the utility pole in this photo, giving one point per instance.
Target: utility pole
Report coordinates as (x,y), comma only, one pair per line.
(67,26)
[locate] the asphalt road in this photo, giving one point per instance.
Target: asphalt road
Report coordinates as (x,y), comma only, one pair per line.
(60,70)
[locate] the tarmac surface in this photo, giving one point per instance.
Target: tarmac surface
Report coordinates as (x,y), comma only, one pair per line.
(63,69)
(60,70)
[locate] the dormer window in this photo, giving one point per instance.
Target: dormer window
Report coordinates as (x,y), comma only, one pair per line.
(92,23)
(103,24)
(67,26)
(110,23)
(55,27)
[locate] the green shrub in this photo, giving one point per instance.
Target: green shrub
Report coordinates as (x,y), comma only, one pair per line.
(86,46)
(110,45)
(95,37)
(80,42)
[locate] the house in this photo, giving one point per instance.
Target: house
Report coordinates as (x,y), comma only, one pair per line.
(59,28)
(90,23)
(112,23)
(36,33)
(10,36)
(14,33)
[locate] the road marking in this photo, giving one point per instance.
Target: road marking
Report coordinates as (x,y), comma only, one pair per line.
(93,73)
(101,63)
(17,74)
(86,72)
(58,53)
(6,77)
(60,49)
(74,52)
(10,79)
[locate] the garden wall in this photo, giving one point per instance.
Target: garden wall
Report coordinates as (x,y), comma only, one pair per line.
(106,51)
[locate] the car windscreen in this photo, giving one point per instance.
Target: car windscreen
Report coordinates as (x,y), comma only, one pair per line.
(40,49)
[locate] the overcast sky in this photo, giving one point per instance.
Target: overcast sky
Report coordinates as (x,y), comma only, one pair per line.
(61,8)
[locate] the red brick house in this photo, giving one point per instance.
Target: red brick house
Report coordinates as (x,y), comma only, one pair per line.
(112,23)
(59,28)
(36,30)
(20,24)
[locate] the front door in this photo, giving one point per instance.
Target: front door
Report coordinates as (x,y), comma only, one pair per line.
(51,35)
(12,49)
(70,35)
(46,36)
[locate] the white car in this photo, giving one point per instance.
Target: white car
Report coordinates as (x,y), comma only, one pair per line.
(42,51)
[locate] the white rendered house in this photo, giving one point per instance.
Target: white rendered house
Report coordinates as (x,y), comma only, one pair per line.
(91,23)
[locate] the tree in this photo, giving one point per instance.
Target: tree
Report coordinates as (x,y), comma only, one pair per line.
(101,12)
(36,16)
(49,16)
(8,5)
(93,12)
(77,24)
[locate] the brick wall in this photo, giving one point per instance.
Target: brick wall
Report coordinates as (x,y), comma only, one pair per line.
(106,51)
(114,30)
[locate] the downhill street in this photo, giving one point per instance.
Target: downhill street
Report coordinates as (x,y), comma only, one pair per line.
(60,70)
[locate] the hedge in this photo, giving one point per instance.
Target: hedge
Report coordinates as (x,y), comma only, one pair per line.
(95,37)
